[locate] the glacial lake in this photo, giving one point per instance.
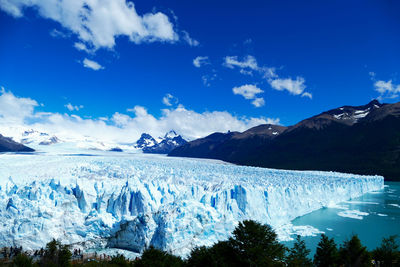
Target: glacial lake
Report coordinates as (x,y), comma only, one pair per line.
(372,216)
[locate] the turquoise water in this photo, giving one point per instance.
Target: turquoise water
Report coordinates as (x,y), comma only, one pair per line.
(374,216)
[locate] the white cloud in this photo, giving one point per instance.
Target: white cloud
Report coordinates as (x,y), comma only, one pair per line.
(87,63)
(295,87)
(200,61)
(15,110)
(248,62)
(307,94)
(387,89)
(97,23)
(258,102)
(248,91)
(71,107)
(186,37)
(248,65)
(58,34)
(83,47)
(246,72)
(169,100)
(18,111)
(372,74)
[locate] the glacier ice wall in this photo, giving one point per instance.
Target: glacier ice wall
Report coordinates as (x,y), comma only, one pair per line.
(134,201)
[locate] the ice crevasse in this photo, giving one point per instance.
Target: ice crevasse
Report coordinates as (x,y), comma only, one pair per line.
(134,201)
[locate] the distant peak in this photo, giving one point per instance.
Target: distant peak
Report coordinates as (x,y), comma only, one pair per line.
(374,102)
(145,135)
(171,134)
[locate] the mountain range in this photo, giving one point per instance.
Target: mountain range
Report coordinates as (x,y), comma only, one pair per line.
(354,139)
(170,141)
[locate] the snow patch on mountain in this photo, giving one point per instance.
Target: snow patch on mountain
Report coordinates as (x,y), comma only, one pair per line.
(163,145)
(354,113)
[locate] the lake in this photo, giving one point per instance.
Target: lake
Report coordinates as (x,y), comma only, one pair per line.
(372,216)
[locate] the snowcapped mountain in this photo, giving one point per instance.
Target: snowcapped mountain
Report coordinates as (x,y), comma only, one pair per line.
(145,140)
(50,141)
(353,139)
(133,201)
(66,143)
(347,115)
(164,145)
(61,142)
(354,113)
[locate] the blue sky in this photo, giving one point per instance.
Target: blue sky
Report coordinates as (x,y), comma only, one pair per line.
(337,52)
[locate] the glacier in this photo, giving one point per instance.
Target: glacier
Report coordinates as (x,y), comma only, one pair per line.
(131,201)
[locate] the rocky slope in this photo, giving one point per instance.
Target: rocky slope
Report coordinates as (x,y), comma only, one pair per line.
(166,144)
(356,139)
(8,145)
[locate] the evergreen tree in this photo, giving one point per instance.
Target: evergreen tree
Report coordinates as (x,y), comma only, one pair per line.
(327,253)
(388,253)
(353,253)
(119,260)
(224,254)
(56,254)
(221,254)
(64,256)
(22,260)
(257,245)
(298,255)
(158,258)
(201,256)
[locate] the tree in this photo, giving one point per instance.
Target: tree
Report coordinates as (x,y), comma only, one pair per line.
(22,260)
(327,253)
(257,244)
(298,255)
(56,254)
(64,256)
(158,258)
(201,256)
(119,260)
(221,254)
(388,253)
(353,253)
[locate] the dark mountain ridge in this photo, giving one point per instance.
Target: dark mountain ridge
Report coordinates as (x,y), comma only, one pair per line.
(355,139)
(8,145)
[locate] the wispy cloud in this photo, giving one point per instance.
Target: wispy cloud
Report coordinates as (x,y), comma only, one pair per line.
(249,62)
(200,61)
(59,34)
(83,47)
(87,63)
(294,87)
(71,107)
(207,79)
(250,91)
(189,40)
(258,102)
(248,66)
(387,89)
(169,100)
(306,94)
